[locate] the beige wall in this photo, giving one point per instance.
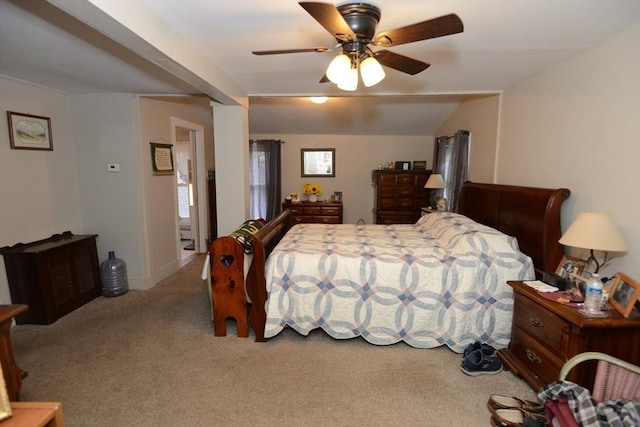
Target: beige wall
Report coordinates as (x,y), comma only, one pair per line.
(572,125)
(161,209)
(356,157)
(478,115)
(69,188)
(38,189)
(577,125)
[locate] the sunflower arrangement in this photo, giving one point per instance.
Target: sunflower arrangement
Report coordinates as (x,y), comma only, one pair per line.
(310,189)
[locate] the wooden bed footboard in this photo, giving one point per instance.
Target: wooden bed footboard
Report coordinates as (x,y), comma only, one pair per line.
(263,243)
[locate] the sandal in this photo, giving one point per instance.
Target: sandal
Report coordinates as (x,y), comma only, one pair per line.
(517,418)
(504,402)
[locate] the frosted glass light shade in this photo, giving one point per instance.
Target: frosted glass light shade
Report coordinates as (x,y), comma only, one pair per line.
(593,230)
(339,68)
(349,80)
(371,72)
(435,181)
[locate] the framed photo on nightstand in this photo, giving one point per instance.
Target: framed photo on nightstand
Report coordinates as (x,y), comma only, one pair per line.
(624,294)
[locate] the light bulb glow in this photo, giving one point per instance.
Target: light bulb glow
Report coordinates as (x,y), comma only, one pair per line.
(319,99)
(338,68)
(349,81)
(371,71)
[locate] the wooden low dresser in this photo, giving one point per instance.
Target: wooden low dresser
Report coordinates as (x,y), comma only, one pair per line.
(53,276)
(545,334)
(314,212)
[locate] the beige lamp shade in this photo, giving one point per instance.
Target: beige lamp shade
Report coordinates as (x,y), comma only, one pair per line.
(435,181)
(596,231)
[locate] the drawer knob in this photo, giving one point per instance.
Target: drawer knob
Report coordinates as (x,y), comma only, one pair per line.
(532,356)
(535,322)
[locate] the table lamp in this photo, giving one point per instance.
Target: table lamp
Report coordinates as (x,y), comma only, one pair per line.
(434,183)
(594,231)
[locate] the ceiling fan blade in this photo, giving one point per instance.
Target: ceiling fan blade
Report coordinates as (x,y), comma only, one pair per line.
(330,18)
(324,79)
(437,27)
(278,52)
(400,62)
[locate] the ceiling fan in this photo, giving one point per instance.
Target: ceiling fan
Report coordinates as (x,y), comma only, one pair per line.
(354,27)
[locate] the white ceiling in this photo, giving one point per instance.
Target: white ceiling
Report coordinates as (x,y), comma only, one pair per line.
(504,41)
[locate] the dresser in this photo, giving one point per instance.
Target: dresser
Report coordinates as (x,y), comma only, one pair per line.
(545,334)
(314,212)
(53,276)
(399,195)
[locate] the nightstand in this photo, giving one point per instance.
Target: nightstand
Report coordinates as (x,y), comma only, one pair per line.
(545,334)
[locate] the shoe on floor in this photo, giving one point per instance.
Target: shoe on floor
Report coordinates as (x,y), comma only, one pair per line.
(487,350)
(477,363)
(517,418)
(505,402)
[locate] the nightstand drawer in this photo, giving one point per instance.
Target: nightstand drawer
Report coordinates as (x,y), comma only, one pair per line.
(539,323)
(535,357)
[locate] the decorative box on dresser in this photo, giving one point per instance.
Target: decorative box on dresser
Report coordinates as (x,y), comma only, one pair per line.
(546,333)
(399,195)
(314,212)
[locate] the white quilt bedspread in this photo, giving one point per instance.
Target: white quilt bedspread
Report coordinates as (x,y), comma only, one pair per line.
(441,281)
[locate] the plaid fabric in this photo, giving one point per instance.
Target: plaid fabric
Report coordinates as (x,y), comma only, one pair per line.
(247,228)
(614,413)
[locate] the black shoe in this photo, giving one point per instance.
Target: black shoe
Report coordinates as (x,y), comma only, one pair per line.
(487,350)
(478,364)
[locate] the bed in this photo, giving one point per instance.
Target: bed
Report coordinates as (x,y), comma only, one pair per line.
(441,281)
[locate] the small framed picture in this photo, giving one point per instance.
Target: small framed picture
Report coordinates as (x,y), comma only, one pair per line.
(420,165)
(624,294)
(161,158)
(337,196)
(29,132)
(576,286)
(403,166)
(570,265)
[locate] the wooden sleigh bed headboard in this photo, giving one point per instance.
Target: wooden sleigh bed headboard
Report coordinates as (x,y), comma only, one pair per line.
(531,215)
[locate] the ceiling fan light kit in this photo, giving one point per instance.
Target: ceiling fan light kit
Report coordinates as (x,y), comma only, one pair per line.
(354,27)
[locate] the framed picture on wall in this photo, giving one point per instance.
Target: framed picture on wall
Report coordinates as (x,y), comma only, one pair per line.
(161,158)
(29,132)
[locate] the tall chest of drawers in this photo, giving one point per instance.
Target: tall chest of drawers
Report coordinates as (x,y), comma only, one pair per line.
(399,195)
(545,334)
(314,212)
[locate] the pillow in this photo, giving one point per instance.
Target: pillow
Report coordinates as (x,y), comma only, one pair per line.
(246,229)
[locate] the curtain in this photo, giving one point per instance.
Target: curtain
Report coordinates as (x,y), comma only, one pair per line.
(451,160)
(264,178)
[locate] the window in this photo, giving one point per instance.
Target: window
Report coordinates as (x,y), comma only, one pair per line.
(264,179)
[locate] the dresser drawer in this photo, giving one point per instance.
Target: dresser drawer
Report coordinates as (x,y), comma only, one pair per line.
(312,210)
(296,210)
(535,357)
(540,323)
(327,219)
(331,211)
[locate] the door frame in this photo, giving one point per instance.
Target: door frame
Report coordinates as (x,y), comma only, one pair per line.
(199,178)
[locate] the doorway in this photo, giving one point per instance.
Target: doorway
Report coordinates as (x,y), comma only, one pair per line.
(190,184)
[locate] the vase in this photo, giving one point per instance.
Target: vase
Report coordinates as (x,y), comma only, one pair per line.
(313,197)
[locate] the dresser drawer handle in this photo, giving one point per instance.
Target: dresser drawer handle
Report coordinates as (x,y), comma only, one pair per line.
(535,322)
(532,356)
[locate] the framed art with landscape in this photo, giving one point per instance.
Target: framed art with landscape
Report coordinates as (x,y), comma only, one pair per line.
(624,294)
(29,132)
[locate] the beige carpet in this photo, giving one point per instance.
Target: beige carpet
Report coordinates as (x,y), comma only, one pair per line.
(149,358)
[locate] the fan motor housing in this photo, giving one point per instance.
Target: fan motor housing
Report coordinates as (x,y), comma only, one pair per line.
(362,18)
